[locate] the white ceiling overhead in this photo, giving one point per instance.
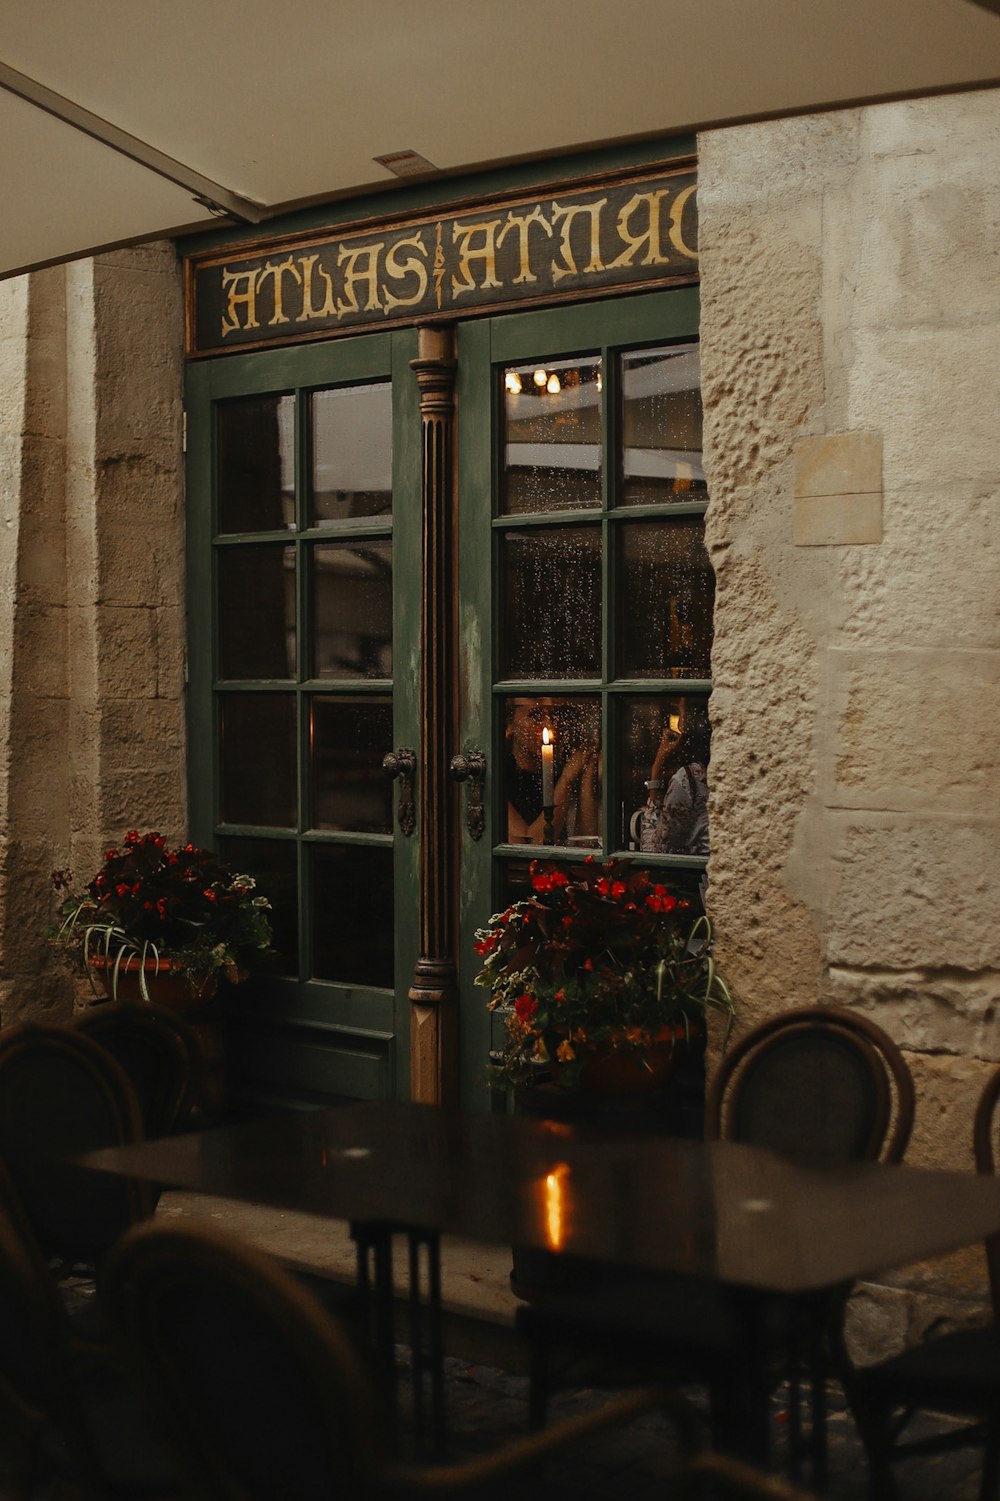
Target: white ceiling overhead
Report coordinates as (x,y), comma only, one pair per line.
(260,106)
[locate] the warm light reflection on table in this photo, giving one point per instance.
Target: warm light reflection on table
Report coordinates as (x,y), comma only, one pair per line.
(556,1206)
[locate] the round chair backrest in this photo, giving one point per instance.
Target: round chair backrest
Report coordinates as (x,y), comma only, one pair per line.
(260,1387)
(155,1050)
(62,1095)
(35,1358)
(814,1085)
(37,1388)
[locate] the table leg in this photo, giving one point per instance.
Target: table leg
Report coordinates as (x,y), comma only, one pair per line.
(741,1417)
(740,1398)
(375,1282)
(374,1260)
(426,1335)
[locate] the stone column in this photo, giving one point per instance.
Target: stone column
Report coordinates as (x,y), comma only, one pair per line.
(92,588)
(850,334)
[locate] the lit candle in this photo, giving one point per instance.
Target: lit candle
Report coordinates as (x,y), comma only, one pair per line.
(547,754)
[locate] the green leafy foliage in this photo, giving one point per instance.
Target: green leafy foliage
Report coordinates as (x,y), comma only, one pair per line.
(599,957)
(149,903)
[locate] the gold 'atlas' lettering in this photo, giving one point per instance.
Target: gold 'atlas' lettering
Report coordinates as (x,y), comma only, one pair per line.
(329,308)
(487,253)
(439,265)
(411,266)
(522,223)
(568,213)
(277,270)
(649,236)
(675,229)
(362,265)
(244,296)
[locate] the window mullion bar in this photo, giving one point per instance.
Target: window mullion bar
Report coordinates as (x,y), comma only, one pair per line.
(303,664)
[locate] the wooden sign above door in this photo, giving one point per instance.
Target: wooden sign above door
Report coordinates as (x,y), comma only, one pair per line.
(579,242)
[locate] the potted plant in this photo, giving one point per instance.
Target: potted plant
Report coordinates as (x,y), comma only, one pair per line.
(602,974)
(152,912)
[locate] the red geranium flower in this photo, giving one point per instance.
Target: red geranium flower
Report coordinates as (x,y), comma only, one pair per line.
(597,951)
(525,1006)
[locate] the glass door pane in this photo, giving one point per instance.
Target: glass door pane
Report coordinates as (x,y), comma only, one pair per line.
(550,590)
(661,426)
(298,462)
(552,436)
(584,565)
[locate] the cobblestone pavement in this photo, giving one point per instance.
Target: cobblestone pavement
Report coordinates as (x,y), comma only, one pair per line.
(486,1408)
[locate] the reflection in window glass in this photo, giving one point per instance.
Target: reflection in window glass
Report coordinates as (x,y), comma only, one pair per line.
(352,609)
(550,603)
(348,738)
(257,611)
(563,772)
(552,436)
(352,914)
(665,740)
(661,426)
(665,593)
(256,446)
(352,452)
(273,863)
(257,746)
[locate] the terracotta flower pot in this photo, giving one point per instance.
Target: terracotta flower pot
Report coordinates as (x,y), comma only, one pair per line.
(617,1072)
(165,986)
(614,1069)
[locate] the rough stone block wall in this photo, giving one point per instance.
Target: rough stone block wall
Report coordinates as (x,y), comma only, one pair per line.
(851,290)
(92,573)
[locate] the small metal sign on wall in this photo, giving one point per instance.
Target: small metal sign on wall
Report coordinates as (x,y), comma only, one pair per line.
(511,252)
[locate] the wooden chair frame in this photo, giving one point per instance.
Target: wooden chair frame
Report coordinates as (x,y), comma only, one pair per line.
(147,1265)
(850,1023)
(178,1049)
(955,1372)
(125,1122)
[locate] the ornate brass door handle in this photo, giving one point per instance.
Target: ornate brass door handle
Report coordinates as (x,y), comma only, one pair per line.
(402,764)
(470,767)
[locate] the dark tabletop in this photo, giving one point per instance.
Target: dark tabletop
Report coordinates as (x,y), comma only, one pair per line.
(733,1213)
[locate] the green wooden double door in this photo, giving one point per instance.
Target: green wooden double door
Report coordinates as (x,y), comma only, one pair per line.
(583,620)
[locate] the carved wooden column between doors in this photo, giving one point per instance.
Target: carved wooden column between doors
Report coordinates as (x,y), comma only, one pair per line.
(434,992)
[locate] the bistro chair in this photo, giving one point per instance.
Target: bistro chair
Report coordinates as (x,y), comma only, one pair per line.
(819,1085)
(62,1095)
(65,1415)
(956,1373)
(159,1055)
(264,1393)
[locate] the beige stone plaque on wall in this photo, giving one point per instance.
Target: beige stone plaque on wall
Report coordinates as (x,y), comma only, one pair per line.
(838,489)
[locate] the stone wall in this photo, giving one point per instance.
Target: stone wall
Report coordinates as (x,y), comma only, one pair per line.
(851,371)
(91,587)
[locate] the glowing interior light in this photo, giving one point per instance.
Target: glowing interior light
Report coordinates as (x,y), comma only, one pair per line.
(675,723)
(513,382)
(555,1206)
(548,777)
(600,381)
(553,384)
(540,377)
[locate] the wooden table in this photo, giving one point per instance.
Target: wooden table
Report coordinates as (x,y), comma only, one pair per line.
(732,1214)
